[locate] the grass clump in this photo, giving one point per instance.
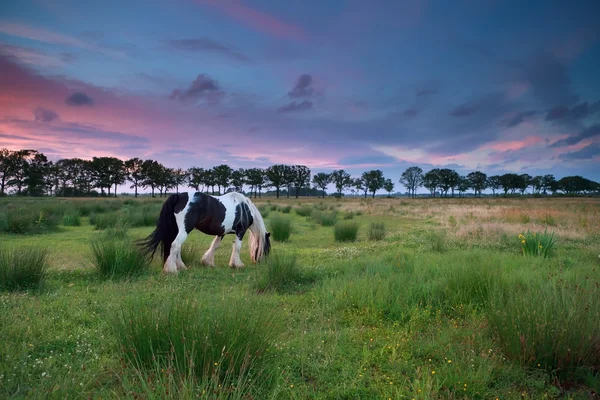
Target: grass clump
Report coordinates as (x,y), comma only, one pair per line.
(141,216)
(537,244)
(345,231)
(324,218)
(281,228)
(22,269)
(281,274)
(286,209)
(304,211)
(554,326)
(114,259)
(225,342)
(72,218)
(105,220)
(376,231)
(28,220)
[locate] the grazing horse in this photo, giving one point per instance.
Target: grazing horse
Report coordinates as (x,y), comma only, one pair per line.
(231,213)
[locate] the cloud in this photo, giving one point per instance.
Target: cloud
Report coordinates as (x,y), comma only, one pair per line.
(571,140)
(78,99)
(520,117)
(411,112)
(579,111)
(302,87)
(202,87)
(31,56)
(294,106)
(44,115)
(258,20)
(208,45)
(367,160)
(45,36)
(587,153)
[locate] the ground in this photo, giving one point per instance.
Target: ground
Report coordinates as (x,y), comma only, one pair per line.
(444,306)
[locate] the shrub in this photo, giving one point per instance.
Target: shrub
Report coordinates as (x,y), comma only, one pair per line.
(376,231)
(554,326)
(324,218)
(114,258)
(281,228)
(349,215)
(304,211)
(286,209)
(71,219)
(27,219)
(281,274)
(104,221)
(22,268)
(227,339)
(345,231)
(537,244)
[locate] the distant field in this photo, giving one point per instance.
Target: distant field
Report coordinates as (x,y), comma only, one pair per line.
(432,299)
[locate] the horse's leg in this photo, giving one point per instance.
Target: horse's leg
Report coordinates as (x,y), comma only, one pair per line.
(174,262)
(235,261)
(209,257)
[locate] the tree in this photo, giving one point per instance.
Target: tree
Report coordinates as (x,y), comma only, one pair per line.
(18,161)
(256,179)
(536,184)
(321,180)
(222,175)
(276,174)
(361,185)
(448,179)
(36,171)
(463,185)
(134,173)
(548,183)
(494,183)
(289,177)
(341,179)
(478,181)
(108,171)
(412,179)
(374,180)
(238,178)
(388,186)
(301,177)
(523,182)
(509,182)
(8,164)
(151,172)
(179,178)
(197,178)
(431,180)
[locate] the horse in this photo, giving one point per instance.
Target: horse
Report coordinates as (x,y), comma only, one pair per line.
(231,213)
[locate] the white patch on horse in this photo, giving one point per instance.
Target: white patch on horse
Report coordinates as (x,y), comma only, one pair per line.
(230,201)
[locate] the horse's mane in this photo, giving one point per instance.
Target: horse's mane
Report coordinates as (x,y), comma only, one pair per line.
(258,231)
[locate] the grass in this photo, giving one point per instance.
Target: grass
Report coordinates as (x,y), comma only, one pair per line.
(324,218)
(376,231)
(439,308)
(537,244)
(23,268)
(114,258)
(345,231)
(304,211)
(72,218)
(280,228)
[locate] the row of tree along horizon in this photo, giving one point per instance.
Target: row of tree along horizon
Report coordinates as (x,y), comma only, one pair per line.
(29,172)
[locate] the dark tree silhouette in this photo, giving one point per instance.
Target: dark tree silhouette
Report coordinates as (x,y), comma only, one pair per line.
(341,179)
(478,181)
(321,180)
(301,177)
(134,173)
(374,180)
(412,179)
(276,174)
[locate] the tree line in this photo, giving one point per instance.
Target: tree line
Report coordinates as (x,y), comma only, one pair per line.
(29,172)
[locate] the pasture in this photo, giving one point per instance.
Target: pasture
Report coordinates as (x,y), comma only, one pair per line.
(360,298)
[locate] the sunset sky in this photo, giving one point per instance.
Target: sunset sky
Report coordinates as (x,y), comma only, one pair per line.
(499,86)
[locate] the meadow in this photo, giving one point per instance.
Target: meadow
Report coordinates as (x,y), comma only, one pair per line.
(385,298)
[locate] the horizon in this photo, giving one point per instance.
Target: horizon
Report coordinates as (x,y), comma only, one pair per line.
(496,86)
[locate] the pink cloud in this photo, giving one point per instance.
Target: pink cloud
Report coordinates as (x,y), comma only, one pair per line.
(515,144)
(258,20)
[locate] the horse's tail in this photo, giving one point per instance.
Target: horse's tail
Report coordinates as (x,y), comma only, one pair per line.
(166,229)
(259,238)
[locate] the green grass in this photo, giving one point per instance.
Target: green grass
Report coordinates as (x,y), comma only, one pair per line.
(537,244)
(304,211)
(115,258)
(23,268)
(325,218)
(376,231)
(280,228)
(424,313)
(71,218)
(345,231)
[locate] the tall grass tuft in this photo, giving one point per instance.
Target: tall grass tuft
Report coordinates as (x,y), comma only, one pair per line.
(281,228)
(345,231)
(225,341)
(141,216)
(285,209)
(28,220)
(324,218)
(376,231)
(554,326)
(116,259)
(72,218)
(105,220)
(22,269)
(537,244)
(304,211)
(281,274)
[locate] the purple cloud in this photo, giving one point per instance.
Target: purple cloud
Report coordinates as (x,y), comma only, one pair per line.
(208,45)
(587,133)
(201,87)
(588,152)
(302,88)
(44,115)
(520,117)
(79,99)
(294,106)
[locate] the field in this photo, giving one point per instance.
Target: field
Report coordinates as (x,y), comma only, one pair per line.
(361,298)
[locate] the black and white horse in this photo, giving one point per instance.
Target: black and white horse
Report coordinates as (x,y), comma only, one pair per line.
(231,213)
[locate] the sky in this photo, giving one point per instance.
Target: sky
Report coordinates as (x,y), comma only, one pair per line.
(490,85)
